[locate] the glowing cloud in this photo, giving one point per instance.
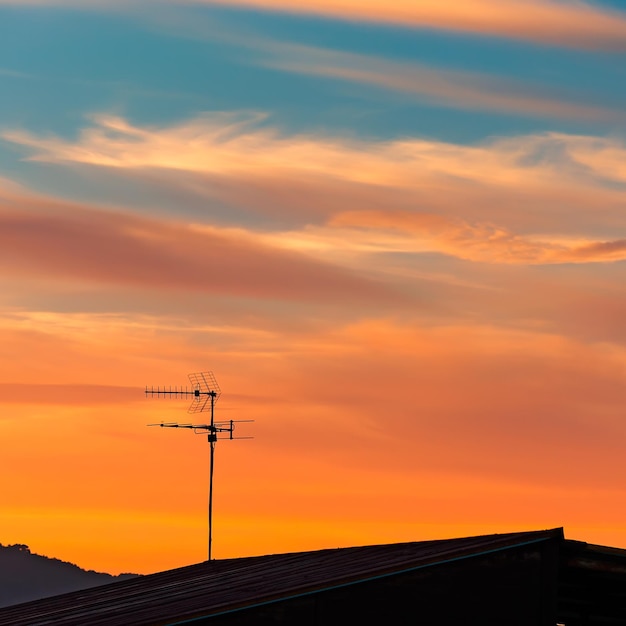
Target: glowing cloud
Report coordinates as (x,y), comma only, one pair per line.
(478,242)
(573,24)
(89,245)
(440,197)
(231,144)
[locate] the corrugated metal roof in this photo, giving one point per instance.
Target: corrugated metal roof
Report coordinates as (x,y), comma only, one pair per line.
(219,586)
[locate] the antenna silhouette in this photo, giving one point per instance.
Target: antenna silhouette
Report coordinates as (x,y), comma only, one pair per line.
(204,393)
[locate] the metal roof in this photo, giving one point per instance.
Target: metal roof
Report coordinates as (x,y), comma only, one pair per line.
(221,586)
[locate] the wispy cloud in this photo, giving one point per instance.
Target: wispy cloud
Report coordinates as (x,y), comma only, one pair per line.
(13,73)
(69,242)
(482,242)
(569,23)
(462,90)
(424,83)
(235,143)
(575,24)
(74,395)
(546,184)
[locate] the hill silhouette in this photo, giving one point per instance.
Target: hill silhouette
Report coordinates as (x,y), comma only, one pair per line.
(25,576)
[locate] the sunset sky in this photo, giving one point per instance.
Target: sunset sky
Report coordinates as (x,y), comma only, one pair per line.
(395,230)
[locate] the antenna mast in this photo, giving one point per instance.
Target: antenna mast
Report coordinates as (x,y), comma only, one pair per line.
(205,391)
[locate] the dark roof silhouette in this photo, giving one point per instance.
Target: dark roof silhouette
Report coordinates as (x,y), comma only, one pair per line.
(218,589)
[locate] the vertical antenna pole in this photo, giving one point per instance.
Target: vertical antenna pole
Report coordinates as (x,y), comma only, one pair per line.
(212,439)
(204,387)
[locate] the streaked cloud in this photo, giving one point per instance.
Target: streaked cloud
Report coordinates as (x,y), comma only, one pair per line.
(12,73)
(80,395)
(569,23)
(462,90)
(412,232)
(457,192)
(236,144)
(76,243)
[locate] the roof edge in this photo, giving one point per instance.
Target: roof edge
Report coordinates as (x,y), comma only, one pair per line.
(540,536)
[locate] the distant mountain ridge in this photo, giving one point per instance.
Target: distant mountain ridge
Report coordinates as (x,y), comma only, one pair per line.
(25,576)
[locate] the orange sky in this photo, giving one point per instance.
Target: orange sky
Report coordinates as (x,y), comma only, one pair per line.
(371,432)
(404,257)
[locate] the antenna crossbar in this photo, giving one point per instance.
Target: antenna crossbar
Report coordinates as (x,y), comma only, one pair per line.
(210,429)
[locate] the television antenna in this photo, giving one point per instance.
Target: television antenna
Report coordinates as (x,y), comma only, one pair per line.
(204,392)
